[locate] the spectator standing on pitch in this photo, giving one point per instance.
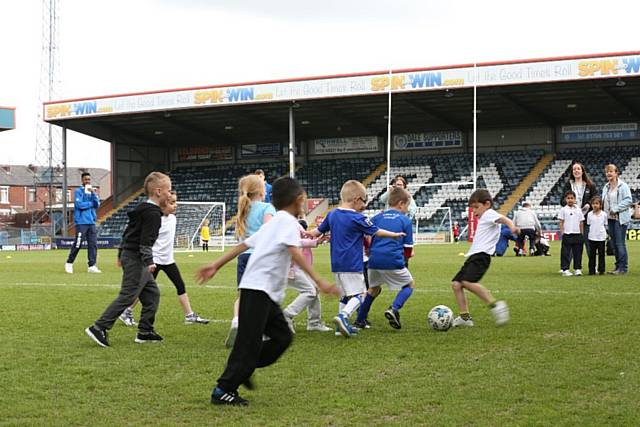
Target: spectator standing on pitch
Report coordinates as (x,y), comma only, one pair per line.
(400,182)
(617,203)
(597,221)
(267,186)
(527,221)
(571,230)
(584,189)
(479,259)
(85,202)
(136,258)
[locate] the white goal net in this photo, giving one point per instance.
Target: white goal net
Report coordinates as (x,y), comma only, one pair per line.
(190,218)
(433,225)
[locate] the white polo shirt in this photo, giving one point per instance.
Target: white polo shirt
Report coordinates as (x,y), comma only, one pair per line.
(163,247)
(269,263)
(487,234)
(597,226)
(572,217)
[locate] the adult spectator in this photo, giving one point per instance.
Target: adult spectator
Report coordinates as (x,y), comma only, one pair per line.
(580,183)
(400,182)
(617,201)
(85,202)
(527,221)
(267,186)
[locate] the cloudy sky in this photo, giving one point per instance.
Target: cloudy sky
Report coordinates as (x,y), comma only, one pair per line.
(120,46)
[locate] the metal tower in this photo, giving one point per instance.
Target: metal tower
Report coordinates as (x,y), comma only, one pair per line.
(48,168)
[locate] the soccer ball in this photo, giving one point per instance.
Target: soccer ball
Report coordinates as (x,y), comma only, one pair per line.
(440,318)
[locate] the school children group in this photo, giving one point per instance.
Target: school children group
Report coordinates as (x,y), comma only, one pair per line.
(270,258)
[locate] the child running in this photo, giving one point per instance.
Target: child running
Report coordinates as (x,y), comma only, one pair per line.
(308,296)
(262,289)
(204,235)
(136,257)
(163,258)
(387,258)
(479,259)
(571,230)
(597,221)
(348,227)
(252,214)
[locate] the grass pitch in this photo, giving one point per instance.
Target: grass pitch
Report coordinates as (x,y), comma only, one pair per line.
(569,356)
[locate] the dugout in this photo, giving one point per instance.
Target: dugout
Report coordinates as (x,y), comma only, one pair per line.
(549,104)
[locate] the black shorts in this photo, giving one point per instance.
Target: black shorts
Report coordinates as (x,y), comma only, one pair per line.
(474,268)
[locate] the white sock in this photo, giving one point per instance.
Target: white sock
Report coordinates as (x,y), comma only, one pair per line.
(340,307)
(234,322)
(351,306)
(190,314)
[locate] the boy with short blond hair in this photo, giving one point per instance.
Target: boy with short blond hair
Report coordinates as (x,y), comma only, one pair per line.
(136,258)
(348,227)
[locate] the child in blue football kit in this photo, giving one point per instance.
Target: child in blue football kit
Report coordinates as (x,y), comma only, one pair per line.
(387,258)
(348,227)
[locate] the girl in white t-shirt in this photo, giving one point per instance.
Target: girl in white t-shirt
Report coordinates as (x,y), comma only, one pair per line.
(597,221)
(163,258)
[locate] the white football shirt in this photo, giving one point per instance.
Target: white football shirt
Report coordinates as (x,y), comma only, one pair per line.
(487,234)
(269,263)
(597,226)
(163,247)
(572,216)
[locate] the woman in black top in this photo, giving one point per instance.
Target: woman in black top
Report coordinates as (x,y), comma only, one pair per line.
(580,183)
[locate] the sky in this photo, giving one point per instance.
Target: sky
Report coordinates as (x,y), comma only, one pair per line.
(123,46)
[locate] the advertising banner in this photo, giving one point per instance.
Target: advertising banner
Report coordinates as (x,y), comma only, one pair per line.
(541,71)
(357,144)
(248,151)
(103,242)
(205,153)
(426,140)
(602,132)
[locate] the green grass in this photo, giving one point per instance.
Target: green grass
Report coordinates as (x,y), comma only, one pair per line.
(568,357)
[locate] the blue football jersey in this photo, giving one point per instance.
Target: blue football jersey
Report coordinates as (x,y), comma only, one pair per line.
(347,228)
(386,253)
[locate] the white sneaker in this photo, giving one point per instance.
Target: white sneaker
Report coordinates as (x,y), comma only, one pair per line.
(93,269)
(192,318)
(68,267)
(500,313)
(460,322)
(578,273)
(567,273)
(127,317)
(290,324)
(320,327)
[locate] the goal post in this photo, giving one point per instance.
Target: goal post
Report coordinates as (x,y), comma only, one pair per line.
(433,226)
(191,216)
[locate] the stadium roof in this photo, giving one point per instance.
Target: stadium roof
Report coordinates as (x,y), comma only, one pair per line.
(550,92)
(7,118)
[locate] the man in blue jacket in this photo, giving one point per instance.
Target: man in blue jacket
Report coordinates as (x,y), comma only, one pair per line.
(85,201)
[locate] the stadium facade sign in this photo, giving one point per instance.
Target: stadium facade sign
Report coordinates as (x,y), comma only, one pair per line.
(358,144)
(465,76)
(600,132)
(426,140)
(205,152)
(248,151)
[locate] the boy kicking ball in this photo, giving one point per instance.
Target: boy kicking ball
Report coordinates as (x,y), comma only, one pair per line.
(479,259)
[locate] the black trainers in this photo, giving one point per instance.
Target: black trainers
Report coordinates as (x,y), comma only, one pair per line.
(393,316)
(100,337)
(221,397)
(362,325)
(143,337)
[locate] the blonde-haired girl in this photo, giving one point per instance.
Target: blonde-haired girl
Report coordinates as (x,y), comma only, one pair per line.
(252,214)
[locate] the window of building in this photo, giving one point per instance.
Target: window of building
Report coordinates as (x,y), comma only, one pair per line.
(4,194)
(32,195)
